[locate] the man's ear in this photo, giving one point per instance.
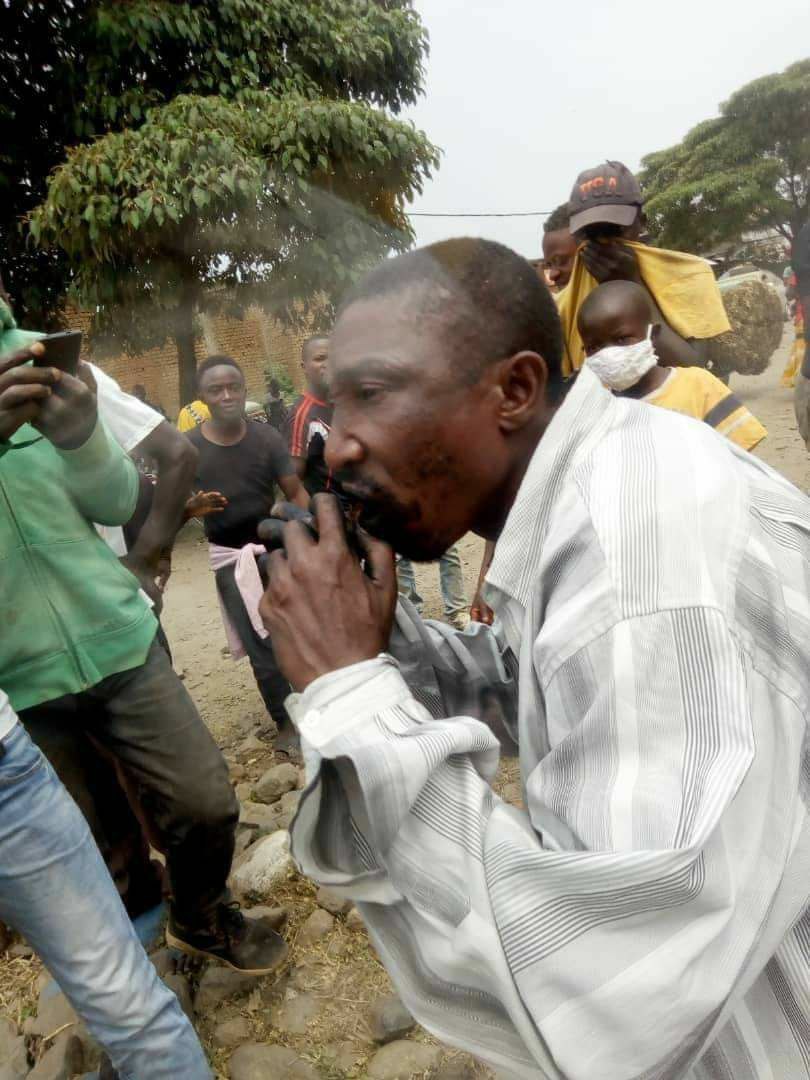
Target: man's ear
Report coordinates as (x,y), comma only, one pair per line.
(522,382)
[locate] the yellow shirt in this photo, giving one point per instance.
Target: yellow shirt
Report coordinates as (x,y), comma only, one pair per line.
(192,416)
(682,286)
(696,392)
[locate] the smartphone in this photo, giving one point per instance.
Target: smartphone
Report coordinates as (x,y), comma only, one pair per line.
(61,351)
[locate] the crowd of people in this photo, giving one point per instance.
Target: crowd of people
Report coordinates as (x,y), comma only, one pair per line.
(642,615)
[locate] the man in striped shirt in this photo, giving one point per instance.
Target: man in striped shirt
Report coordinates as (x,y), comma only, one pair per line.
(646,916)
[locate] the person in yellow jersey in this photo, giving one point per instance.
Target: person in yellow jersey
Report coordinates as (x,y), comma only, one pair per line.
(192,415)
(622,339)
(607,223)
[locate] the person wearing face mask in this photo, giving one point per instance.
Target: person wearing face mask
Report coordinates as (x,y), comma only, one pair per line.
(622,342)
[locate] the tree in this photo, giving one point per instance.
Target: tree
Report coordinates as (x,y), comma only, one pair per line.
(747,169)
(214,143)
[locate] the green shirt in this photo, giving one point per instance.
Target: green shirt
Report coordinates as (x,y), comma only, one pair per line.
(70,613)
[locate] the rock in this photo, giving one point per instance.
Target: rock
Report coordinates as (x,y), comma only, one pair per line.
(275,917)
(265,864)
(255,1062)
(237,771)
(61,1061)
(53,1012)
(259,819)
(250,747)
(332,902)
(317,926)
(459,1068)
(295,1012)
(244,838)
(400,1060)
(354,920)
(276,782)
(231,1033)
(9,1072)
(13,1056)
(179,985)
(219,984)
(244,789)
(388,1019)
(21,951)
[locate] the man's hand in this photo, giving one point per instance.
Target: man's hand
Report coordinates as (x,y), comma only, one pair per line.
(23,389)
(147,579)
(322,611)
(69,414)
(610,260)
(202,503)
(480,611)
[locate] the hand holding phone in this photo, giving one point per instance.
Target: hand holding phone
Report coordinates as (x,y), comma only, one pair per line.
(62,351)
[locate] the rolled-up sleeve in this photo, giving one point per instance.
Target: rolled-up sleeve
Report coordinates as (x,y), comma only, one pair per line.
(605,930)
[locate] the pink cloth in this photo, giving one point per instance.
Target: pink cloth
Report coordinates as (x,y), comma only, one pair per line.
(248,581)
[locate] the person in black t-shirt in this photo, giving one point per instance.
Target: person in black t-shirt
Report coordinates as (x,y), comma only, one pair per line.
(243,462)
(311,418)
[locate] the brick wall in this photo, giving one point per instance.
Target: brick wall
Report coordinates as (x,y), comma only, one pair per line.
(257,342)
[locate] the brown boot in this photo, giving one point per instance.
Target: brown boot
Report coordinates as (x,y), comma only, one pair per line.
(247,945)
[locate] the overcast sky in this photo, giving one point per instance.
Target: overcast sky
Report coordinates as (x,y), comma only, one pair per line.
(523,94)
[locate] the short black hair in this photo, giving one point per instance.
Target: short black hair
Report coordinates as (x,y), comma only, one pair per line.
(311,341)
(612,295)
(503,308)
(216,361)
(558,219)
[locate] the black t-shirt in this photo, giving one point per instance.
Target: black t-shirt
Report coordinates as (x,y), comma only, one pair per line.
(246,474)
(307,432)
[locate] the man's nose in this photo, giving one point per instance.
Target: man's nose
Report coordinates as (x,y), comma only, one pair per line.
(342,449)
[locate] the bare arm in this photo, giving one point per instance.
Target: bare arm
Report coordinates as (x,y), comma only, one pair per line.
(480,611)
(176,462)
(294,490)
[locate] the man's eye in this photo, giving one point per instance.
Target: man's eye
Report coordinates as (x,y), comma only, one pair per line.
(369,393)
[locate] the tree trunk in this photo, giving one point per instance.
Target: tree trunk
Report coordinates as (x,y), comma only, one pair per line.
(186,356)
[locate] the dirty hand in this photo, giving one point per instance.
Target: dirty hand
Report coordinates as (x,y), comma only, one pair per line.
(610,260)
(322,610)
(68,416)
(202,503)
(23,389)
(480,611)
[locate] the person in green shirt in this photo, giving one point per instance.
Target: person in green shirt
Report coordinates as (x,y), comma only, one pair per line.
(79,647)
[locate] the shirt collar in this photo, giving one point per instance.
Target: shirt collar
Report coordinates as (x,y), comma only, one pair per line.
(581,420)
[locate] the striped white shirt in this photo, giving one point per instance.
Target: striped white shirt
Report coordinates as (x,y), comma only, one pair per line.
(647,916)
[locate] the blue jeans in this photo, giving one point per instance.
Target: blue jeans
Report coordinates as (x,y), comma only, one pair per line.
(451,580)
(55,889)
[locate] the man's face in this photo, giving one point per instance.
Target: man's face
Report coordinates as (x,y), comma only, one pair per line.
(559,251)
(414,444)
(314,363)
(222,388)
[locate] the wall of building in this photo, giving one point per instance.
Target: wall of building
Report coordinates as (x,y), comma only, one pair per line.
(258,343)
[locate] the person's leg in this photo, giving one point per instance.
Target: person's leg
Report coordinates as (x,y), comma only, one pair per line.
(452,582)
(406,582)
(55,889)
(151,725)
(272,685)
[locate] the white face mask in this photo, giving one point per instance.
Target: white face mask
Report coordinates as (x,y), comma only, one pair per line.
(619,367)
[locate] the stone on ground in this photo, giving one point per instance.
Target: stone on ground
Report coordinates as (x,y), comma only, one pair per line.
(218,984)
(13,1056)
(400,1060)
(53,1012)
(256,1062)
(295,1013)
(264,866)
(286,808)
(332,902)
(388,1019)
(459,1068)
(276,782)
(61,1061)
(231,1033)
(317,926)
(354,920)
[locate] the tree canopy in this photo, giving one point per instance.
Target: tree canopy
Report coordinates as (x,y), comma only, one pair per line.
(745,170)
(160,148)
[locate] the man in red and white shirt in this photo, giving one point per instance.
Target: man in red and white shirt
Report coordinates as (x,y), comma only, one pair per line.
(311,418)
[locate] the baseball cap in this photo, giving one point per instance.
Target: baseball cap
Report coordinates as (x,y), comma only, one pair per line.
(609,193)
